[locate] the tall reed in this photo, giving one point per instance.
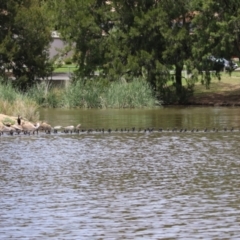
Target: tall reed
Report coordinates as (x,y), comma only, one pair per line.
(93,93)
(84,94)
(45,95)
(103,94)
(135,94)
(13,103)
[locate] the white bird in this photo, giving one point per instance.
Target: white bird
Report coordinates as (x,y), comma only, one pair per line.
(56,128)
(68,129)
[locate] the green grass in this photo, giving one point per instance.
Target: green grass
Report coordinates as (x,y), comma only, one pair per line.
(68,68)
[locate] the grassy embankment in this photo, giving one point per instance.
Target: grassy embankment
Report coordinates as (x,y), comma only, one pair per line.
(225,91)
(102,94)
(228,84)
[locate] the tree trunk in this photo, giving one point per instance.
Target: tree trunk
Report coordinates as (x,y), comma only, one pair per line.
(178,79)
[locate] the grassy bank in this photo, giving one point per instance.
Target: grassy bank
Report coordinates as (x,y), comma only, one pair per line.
(225,91)
(104,94)
(228,84)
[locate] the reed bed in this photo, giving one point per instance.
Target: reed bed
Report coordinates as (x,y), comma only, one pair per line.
(83,95)
(102,94)
(93,93)
(136,94)
(45,95)
(13,103)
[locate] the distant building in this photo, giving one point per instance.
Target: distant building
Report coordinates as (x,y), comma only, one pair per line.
(57,44)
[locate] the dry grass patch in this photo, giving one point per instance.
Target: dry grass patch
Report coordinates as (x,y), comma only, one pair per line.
(26,108)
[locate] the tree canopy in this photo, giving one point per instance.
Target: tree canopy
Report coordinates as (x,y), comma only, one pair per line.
(123,39)
(24,40)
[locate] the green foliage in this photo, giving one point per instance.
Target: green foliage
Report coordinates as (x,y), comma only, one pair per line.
(84,94)
(119,40)
(102,94)
(216,33)
(24,40)
(7,92)
(68,61)
(135,94)
(45,95)
(146,38)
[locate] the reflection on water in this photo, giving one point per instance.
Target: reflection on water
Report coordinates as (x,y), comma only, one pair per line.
(120,186)
(186,117)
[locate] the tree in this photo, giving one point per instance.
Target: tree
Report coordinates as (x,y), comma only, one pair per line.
(24,40)
(149,38)
(216,33)
(136,42)
(84,24)
(176,28)
(153,36)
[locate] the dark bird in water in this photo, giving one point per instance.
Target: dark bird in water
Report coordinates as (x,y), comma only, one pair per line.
(109,130)
(19,120)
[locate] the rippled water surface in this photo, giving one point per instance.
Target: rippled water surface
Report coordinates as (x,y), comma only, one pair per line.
(158,185)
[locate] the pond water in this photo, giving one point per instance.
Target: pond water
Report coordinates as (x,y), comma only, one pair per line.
(124,185)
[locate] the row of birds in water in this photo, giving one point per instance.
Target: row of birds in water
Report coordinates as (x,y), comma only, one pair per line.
(143,130)
(26,127)
(46,128)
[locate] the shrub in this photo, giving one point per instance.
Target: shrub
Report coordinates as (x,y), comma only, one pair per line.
(68,61)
